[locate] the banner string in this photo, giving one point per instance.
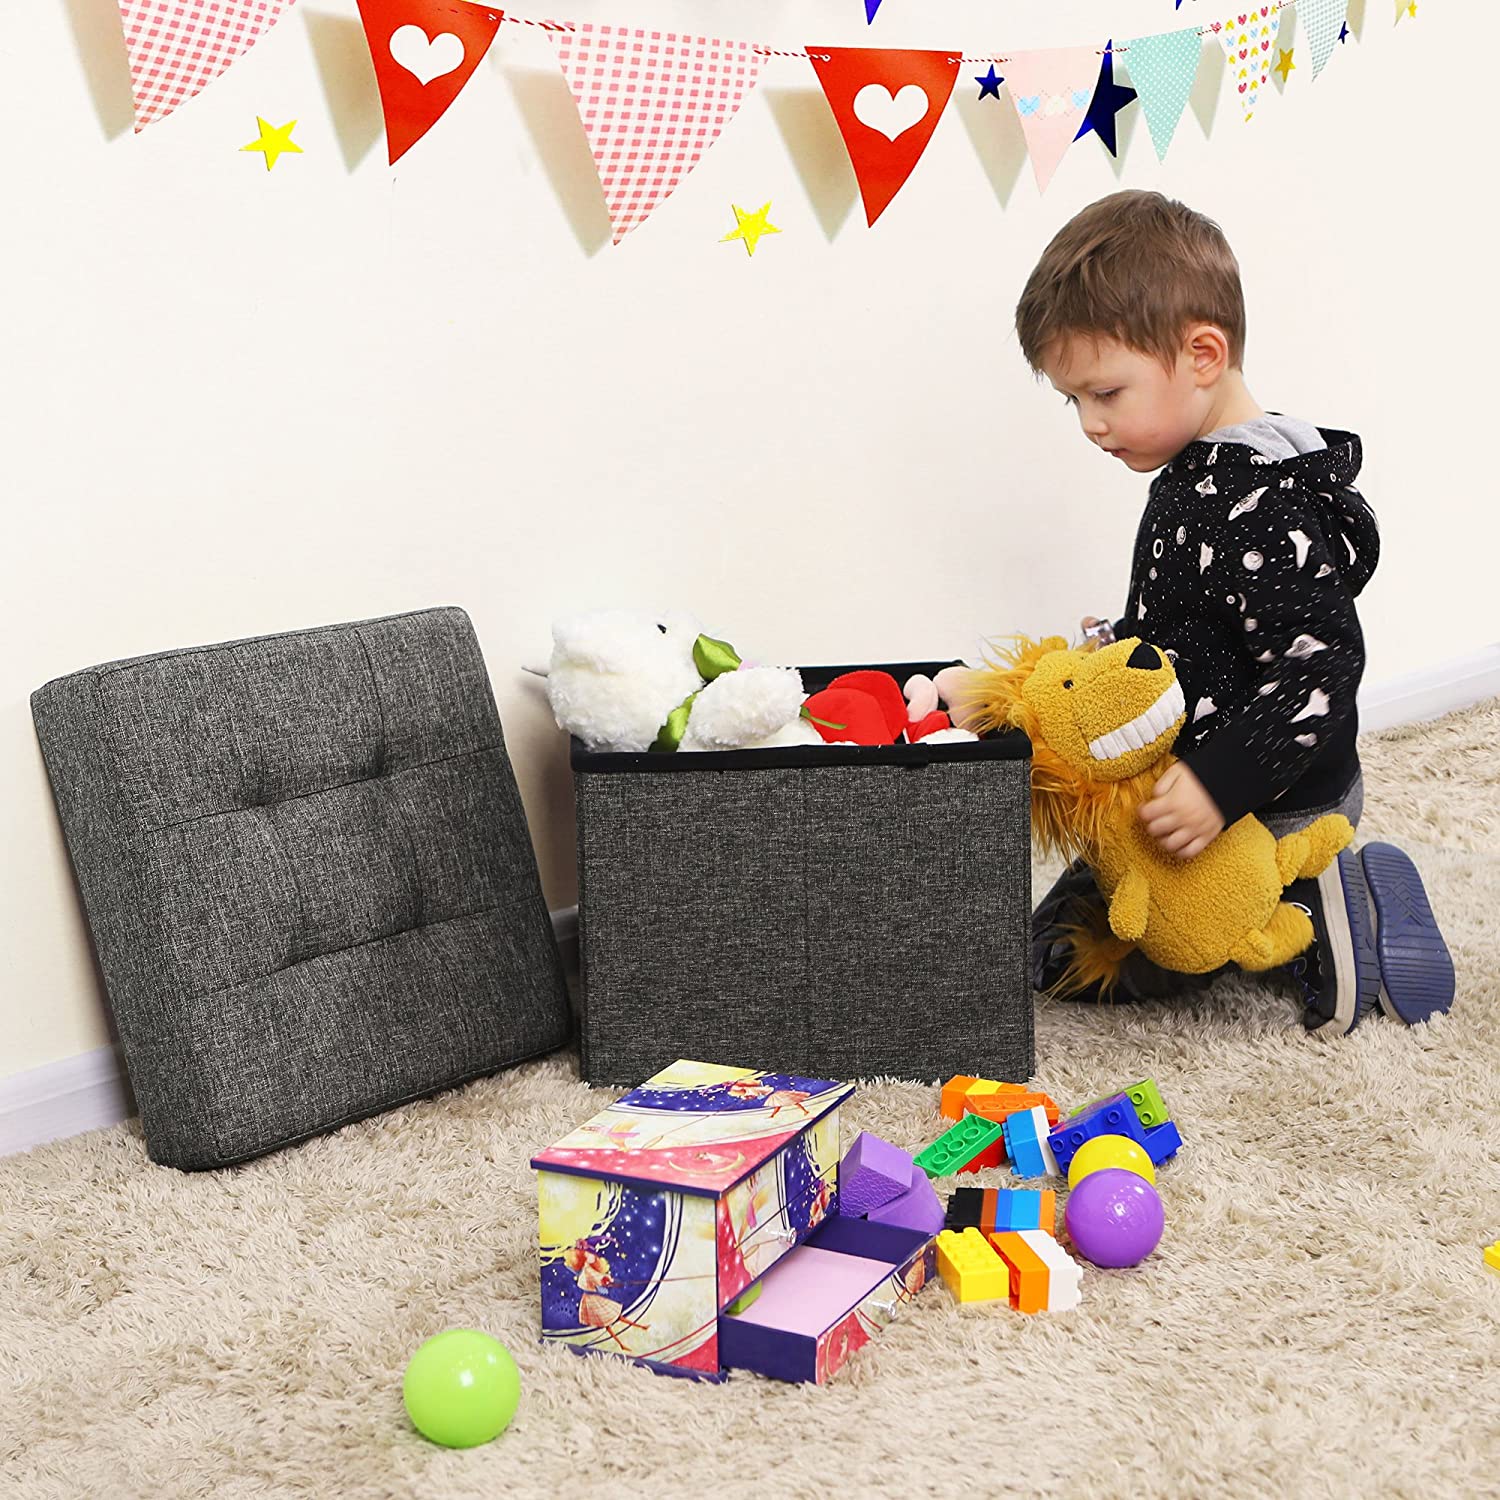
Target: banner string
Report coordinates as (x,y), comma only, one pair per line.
(1212,29)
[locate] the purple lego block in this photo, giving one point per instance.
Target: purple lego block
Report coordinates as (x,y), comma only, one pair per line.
(917,1208)
(872,1174)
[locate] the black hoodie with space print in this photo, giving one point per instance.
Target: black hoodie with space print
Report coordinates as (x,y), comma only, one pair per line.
(1246,569)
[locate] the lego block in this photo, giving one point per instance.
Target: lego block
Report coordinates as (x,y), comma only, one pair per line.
(971,1267)
(1163,1141)
(1009,1101)
(917,1208)
(966,1208)
(1144,1097)
(1027,1146)
(1492,1256)
(951,1102)
(1115,1116)
(958,1146)
(872,1173)
(1024,1209)
(1026,1271)
(1043,1276)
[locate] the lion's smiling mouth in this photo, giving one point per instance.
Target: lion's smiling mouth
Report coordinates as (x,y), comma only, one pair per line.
(1142,730)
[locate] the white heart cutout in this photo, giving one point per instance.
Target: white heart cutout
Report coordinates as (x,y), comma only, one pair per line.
(426,59)
(875,106)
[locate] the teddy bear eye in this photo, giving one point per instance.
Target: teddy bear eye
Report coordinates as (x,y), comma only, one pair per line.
(1068,682)
(661,627)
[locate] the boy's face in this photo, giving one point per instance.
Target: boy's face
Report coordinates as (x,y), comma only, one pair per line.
(1128,403)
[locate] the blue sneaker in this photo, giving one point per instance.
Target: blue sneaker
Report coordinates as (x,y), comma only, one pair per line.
(1340,974)
(1416,970)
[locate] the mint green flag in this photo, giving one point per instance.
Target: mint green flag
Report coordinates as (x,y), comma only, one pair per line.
(1322,20)
(1163,69)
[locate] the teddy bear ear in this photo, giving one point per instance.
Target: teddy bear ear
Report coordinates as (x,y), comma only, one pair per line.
(594,638)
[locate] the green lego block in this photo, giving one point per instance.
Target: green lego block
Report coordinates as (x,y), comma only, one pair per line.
(957,1147)
(1145,1098)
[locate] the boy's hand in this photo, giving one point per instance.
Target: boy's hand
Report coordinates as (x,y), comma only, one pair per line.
(1181,816)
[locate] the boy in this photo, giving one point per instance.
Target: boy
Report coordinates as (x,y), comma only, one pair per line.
(1251,551)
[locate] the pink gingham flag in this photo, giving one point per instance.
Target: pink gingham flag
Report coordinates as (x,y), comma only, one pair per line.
(178,47)
(651,103)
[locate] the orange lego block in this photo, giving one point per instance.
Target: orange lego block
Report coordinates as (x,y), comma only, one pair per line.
(951,1104)
(971,1267)
(1012,1100)
(1028,1273)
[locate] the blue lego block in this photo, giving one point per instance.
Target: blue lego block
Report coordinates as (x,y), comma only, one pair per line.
(1114,1116)
(1026,1145)
(1163,1141)
(1019,1208)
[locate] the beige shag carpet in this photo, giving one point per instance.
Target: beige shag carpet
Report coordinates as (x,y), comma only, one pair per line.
(1317,1322)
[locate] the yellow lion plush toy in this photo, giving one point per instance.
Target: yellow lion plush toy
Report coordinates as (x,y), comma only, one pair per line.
(1102,724)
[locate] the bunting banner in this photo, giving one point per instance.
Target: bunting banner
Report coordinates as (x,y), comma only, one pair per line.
(1246,37)
(887,104)
(652,103)
(1051,91)
(178,47)
(1163,69)
(424,52)
(1322,20)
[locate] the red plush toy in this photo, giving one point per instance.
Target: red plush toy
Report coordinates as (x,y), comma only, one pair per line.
(869,708)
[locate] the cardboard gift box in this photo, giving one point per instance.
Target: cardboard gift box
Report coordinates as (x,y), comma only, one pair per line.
(659,1211)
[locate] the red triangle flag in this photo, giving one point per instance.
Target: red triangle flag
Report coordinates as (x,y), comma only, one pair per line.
(424,52)
(887,102)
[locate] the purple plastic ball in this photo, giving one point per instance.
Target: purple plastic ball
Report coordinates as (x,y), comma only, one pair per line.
(1114,1218)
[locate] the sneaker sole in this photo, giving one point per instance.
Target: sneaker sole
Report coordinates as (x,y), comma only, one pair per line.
(1350,932)
(1416,969)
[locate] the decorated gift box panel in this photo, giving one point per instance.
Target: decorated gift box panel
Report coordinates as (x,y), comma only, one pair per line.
(660,1209)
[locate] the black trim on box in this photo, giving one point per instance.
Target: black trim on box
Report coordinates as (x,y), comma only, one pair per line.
(1009,745)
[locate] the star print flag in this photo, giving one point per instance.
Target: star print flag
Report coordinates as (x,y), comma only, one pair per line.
(424,52)
(1051,91)
(651,102)
(887,103)
(1163,69)
(1322,20)
(178,47)
(1247,37)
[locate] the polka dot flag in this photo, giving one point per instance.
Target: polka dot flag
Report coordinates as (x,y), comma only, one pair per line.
(1163,70)
(1322,20)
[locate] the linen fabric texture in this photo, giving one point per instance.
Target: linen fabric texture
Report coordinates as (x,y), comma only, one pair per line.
(308,877)
(835,913)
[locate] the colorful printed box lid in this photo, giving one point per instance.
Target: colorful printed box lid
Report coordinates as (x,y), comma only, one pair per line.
(696,1127)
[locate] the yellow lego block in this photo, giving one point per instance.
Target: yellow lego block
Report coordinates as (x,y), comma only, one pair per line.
(1492,1256)
(968,1263)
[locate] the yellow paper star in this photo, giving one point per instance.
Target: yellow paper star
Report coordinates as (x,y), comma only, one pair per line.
(1286,65)
(274,140)
(750,227)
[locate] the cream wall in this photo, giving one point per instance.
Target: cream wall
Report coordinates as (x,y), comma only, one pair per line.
(237,402)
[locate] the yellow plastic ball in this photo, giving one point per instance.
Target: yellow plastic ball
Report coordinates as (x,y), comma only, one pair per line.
(1109,1151)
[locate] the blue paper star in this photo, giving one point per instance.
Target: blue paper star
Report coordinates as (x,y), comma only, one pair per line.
(989,85)
(871,6)
(1109,99)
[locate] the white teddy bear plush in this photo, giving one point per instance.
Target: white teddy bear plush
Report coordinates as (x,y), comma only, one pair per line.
(617,675)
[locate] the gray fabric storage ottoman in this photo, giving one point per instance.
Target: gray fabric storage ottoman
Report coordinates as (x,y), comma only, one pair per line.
(838,913)
(308,877)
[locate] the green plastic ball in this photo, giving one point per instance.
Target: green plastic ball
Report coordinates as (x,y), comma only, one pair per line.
(461,1388)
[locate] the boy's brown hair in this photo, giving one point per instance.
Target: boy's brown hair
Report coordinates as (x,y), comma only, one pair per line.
(1136,267)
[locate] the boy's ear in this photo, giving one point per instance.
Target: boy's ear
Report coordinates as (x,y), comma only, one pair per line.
(1208,349)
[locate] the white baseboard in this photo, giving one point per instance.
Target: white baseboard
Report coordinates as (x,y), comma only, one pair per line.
(1429,694)
(89,1091)
(84,1092)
